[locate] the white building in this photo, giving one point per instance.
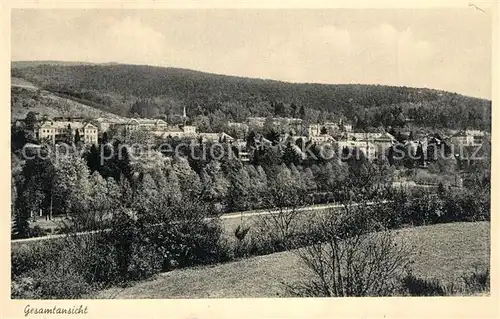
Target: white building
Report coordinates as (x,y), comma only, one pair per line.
(322,138)
(55,131)
(368,148)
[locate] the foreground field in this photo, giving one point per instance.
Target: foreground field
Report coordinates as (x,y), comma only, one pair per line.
(441,251)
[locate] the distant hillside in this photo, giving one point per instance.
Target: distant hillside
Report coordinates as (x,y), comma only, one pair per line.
(151,91)
(25,64)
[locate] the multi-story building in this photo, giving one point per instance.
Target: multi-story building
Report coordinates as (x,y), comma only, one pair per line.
(372,143)
(183,131)
(256,121)
(215,137)
(104,124)
(145,124)
(314,130)
(468,137)
(369,149)
(56,131)
(322,138)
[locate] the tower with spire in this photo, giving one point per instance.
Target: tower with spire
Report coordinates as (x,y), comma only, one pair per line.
(184,115)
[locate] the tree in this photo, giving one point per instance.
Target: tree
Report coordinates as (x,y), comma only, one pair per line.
(67,136)
(105,138)
(293,109)
(93,159)
(189,181)
(214,185)
(279,109)
(31,120)
(268,126)
(104,199)
(71,185)
(273,136)
(34,189)
(257,185)
(302,112)
(146,198)
(308,178)
(250,140)
(290,155)
(419,155)
(283,200)
(267,157)
(238,190)
(77,137)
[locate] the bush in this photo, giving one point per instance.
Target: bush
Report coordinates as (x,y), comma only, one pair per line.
(347,258)
(188,237)
(37,231)
(26,257)
(424,207)
(55,280)
(424,177)
(476,281)
(415,286)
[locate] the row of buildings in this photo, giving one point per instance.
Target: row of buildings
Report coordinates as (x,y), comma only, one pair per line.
(58,129)
(370,144)
(294,125)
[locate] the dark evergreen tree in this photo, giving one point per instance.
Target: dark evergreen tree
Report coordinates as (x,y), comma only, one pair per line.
(302,112)
(420,155)
(30,120)
(390,155)
(273,136)
(294,110)
(105,139)
(77,136)
(290,155)
(94,159)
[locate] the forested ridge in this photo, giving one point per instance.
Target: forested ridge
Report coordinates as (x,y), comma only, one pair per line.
(149,91)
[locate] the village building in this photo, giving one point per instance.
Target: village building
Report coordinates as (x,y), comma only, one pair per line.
(468,137)
(256,121)
(238,125)
(369,149)
(55,131)
(321,139)
(215,137)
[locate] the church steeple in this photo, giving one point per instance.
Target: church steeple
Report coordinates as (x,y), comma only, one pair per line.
(184,115)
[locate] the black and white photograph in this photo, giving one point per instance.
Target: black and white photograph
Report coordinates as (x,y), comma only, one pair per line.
(249,153)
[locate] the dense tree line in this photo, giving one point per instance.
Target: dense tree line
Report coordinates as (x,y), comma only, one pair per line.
(107,176)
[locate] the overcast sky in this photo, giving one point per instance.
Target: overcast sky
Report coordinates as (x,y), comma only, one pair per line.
(447,49)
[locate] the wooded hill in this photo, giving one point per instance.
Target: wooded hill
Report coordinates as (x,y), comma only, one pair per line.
(149,91)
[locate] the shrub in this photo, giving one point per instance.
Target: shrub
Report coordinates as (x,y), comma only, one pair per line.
(477,281)
(185,235)
(55,280)
(349,259)
(26,257)
(23,287)
(37,231)
(415,286)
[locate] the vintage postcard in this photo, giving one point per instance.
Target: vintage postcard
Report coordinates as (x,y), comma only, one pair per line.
(229,160)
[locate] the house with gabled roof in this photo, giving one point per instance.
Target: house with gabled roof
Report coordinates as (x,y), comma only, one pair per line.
(55,131)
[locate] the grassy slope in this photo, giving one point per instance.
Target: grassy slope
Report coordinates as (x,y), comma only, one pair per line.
(22,83)
(53,105)
(442,251)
